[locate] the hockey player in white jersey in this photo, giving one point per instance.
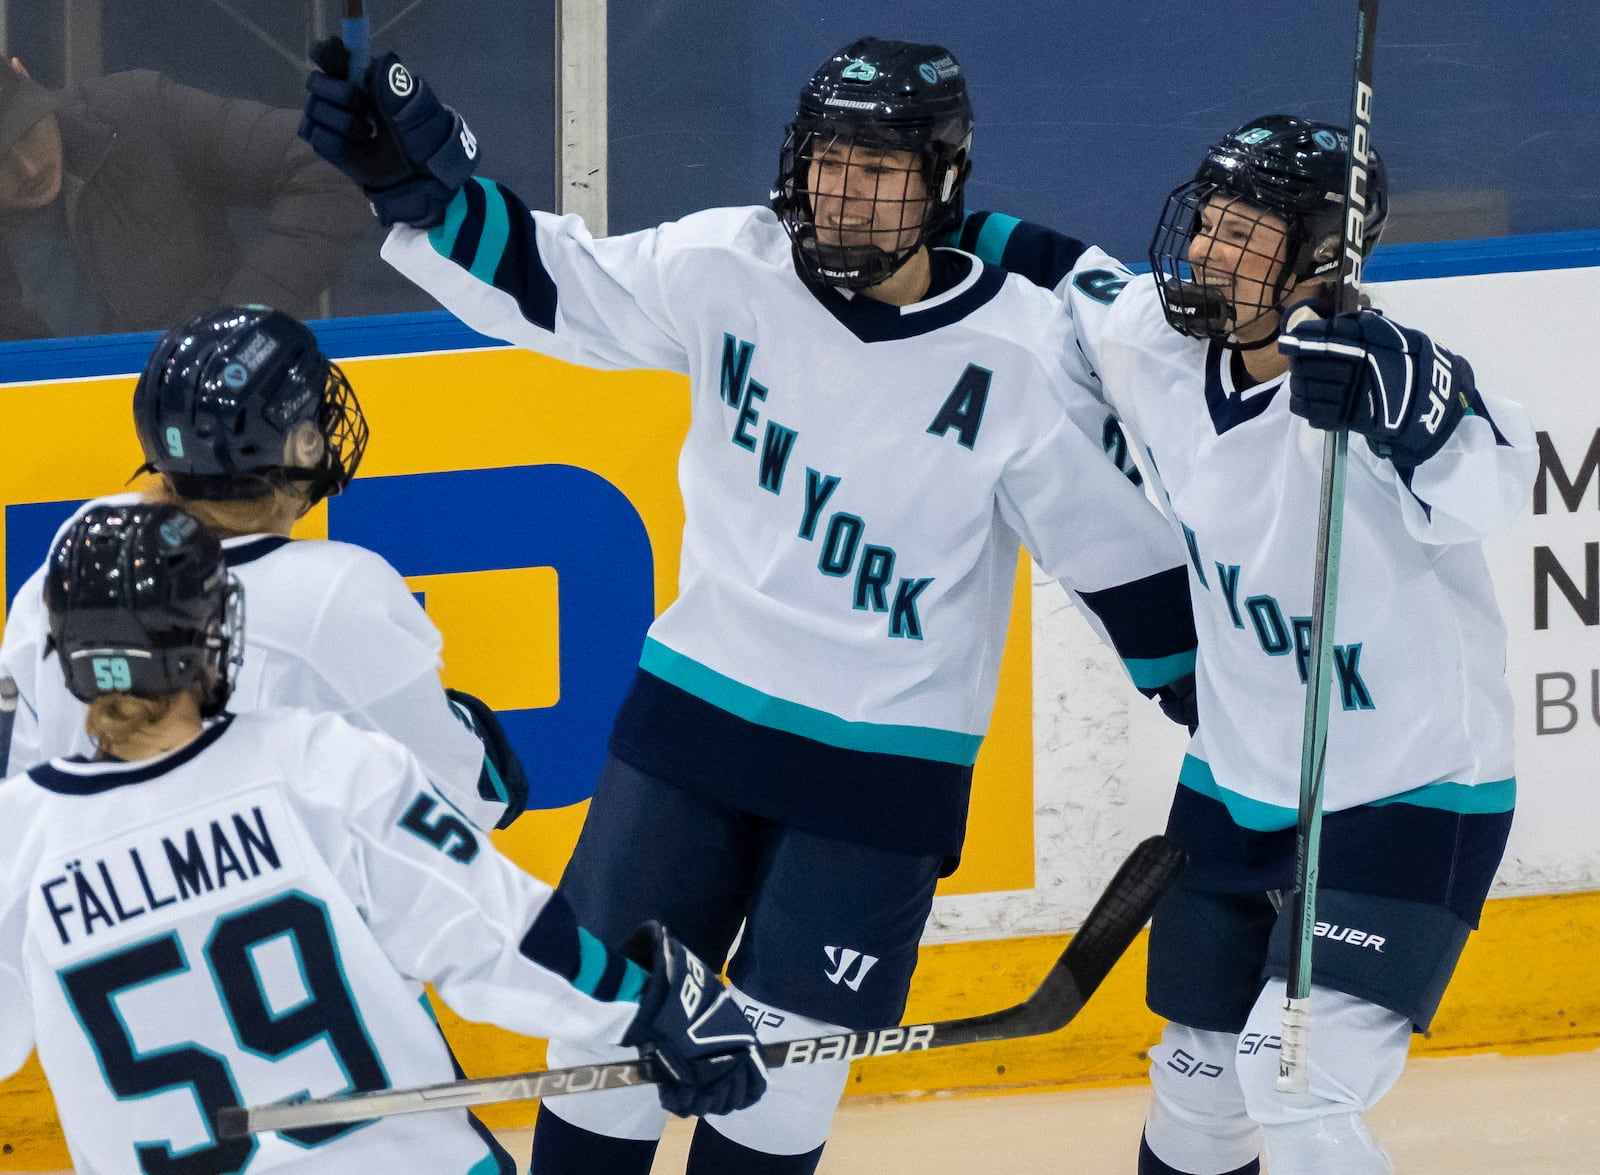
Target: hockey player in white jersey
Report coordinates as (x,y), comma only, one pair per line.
(875,426)
(222,909)
(249,425)
(1419,784)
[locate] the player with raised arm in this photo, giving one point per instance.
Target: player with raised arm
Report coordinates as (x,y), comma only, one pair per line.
(249,425)
(875,426)
(1216,397)
(219,909)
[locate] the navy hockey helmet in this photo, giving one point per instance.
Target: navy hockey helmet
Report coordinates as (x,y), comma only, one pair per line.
(220,407)
(1290,167)
(140,601)
(871,97)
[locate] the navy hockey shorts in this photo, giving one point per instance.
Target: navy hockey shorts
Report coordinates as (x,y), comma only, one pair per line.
(830,928)
(1400,887)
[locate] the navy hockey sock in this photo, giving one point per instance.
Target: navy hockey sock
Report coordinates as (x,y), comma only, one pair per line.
(711,1153)
(560,1148)
(1150,1165)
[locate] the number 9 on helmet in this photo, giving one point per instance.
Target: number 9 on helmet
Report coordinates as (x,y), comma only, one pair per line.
(141,602)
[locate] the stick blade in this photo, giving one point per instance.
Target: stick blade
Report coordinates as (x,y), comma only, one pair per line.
(1126,905)
(1121,911)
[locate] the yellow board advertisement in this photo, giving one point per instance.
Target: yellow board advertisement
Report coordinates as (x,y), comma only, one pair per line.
(533,507)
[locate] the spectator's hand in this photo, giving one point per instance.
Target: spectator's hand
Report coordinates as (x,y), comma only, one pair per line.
(693,1030)
(387,131)
(1393,385)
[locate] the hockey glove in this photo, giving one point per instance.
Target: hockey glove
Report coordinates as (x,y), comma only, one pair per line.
(387,131)
(1178,702)
(1395,386)
(502,777)
(687,1023)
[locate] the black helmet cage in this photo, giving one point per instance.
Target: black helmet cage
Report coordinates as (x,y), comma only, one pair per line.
(1287,166)
(141,601)
(221,395)
(877,96)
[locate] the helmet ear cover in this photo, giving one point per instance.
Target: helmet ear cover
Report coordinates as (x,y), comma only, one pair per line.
(140,601)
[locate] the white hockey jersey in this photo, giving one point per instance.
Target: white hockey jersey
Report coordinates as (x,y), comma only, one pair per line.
(1421,709)
(249,918)
(856,478)
(328,626)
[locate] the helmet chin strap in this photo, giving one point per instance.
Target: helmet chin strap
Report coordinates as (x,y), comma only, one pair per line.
(853,267)
(1302,289)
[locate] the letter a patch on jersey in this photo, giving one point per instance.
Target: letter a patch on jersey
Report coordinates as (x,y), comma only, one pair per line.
(963,407)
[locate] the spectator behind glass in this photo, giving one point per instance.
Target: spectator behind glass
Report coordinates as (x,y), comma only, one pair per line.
(116,195)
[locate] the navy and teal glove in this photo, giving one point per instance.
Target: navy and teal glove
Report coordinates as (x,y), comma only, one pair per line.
(502,777)
(692,1029)
(1394,386)
(410,153)
(1179,701)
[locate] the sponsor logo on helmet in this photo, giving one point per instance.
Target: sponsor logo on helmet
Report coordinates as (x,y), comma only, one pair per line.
(400,83)
(258,350)
(175,530)
(1327,140)
(850,103)
(1255,135)
(859,71)
(929,74)
(939,69)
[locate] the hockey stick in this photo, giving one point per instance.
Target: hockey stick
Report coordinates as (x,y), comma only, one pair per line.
(357,35)
(8,719)
(1325,591)
(1119,914)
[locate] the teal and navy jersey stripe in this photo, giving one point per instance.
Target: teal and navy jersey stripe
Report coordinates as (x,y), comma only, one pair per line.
(557,943)
(915,742)
(1489,798)
(1440,843)
(1150,624)
(489,232)
(1041,255)
(891,801)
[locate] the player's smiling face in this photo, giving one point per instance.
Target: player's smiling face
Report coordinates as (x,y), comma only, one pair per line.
(867,196)
(1240,249)
(30,173)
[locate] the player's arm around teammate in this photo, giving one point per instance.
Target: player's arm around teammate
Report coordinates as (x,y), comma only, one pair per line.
(225,909)
(1420,786)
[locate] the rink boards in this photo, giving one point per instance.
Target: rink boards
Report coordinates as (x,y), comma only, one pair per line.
(533,507)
